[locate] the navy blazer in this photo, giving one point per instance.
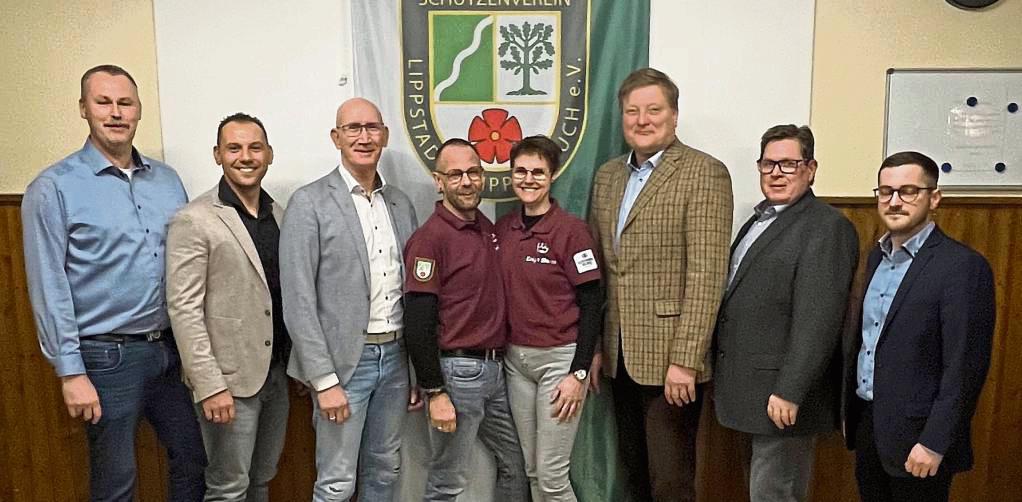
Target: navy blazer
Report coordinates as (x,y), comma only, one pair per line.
(932,356)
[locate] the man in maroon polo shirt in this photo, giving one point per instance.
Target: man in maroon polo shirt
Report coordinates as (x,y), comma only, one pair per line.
(455,332)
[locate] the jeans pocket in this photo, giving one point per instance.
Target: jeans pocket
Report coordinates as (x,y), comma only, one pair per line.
(101,357)
(464,369)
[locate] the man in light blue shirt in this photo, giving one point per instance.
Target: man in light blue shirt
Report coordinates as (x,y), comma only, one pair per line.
(94,231)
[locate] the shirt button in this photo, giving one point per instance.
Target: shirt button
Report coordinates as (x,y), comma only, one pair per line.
(147,230)
(140,207)
(868,352)
(267,312)
(876,323)
(863,380)
(266,343)
(155,255)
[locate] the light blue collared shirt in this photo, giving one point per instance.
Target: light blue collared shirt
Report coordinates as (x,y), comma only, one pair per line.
(894,263)
(637,179)
(94,250)
(765,215)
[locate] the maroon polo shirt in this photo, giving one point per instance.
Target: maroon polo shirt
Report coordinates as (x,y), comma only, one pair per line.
(541,268)
(456,260)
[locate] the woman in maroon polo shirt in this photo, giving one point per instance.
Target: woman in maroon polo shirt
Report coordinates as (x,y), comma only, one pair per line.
(552,281)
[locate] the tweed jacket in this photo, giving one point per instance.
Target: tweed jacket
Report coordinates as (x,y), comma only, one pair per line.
(779,326)
(324,275)
(665,281)
(219,303)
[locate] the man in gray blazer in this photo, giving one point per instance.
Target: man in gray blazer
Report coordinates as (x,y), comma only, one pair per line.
(341,270)
(776,375)
(224,300)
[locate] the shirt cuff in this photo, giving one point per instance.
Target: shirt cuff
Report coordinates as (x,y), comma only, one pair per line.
(324,382)
(69,365)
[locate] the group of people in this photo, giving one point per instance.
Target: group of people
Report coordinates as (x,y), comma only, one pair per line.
(194,315)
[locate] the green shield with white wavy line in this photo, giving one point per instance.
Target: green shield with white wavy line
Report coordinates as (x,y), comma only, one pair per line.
(463,57)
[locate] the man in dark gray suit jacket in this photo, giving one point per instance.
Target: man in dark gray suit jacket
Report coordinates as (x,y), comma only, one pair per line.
(776,376)
(341,273)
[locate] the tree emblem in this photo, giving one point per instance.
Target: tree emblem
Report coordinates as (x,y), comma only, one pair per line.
(526,45)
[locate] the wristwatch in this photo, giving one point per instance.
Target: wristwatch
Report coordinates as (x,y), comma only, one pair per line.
(580,375)
(430,393)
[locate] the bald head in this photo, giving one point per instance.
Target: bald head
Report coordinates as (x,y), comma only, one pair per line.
(357,107)
(360,136)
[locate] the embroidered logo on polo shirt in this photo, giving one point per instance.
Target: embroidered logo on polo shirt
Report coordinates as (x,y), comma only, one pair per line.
(542,248)
(585,261)
(423,269)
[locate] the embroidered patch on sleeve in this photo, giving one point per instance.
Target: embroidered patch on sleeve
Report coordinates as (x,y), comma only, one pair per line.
(424,269)
(585,261)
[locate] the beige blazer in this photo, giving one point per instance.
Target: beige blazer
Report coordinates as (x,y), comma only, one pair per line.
(665,282)
(219,303)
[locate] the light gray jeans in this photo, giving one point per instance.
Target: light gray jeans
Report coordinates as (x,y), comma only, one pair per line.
(779,467)
(533,374)
(243,454)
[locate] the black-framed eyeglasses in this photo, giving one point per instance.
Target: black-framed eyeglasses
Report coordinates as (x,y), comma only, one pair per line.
(354,129)
(788,166)
(907,193)
(456,175)
(538,174)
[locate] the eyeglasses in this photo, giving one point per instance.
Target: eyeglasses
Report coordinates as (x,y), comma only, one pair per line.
(787,166)
(354,130)
(538,174)
(456,175)
(907,193)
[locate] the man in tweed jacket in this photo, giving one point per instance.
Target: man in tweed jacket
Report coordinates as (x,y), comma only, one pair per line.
(662,218)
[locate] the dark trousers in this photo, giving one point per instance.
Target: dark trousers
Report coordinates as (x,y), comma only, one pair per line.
(134,380)
(876,485)
(656,440)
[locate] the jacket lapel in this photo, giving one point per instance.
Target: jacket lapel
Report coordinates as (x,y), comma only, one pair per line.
(229,216)
(783,221)
(670,163)
(918,264)
(342,196)
(618,180)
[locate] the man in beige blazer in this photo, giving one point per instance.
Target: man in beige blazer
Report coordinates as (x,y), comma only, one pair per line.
(662,218)
(224,298)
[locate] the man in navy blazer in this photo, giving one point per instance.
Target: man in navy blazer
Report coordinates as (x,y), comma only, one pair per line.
(918,345)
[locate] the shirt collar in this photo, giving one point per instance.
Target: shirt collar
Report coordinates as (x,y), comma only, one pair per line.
(912,245)
(765,211)
(544,225)
(353,185)
(459,224)
(227,196)
(99,163)
(653,161)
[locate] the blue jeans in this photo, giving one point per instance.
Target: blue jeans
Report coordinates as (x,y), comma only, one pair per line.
(370,439)
(243,454)
(479,395)
(134,379)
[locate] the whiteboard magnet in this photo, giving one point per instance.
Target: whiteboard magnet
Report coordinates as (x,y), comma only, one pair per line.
(946,167)
(1000,167)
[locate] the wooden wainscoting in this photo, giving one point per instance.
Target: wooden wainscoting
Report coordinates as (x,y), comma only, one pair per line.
(44,452)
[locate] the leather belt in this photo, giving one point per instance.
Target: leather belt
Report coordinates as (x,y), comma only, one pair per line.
(151,336)
(381,338)
(484,354)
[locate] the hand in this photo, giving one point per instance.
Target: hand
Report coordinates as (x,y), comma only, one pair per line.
(680,385)
(923,461)
(781,412)
(219,408)
(594,372)
(442,415)
(333,404)
(80,398)
(567,399)
(414,398)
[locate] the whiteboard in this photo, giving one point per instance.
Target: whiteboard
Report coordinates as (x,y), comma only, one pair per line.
(969,121)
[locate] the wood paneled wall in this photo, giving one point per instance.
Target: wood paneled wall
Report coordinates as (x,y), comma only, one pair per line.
(43,452)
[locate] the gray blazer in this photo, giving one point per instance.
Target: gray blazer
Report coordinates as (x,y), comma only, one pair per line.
(779,325)
(218,300)
(324,275)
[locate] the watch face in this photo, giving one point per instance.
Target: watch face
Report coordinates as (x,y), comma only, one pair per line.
(581,374)
(971,4)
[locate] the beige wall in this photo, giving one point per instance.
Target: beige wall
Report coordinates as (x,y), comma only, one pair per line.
(45,46)
(857,41)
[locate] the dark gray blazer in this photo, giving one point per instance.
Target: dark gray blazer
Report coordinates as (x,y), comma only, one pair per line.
(324,275)
(779,326)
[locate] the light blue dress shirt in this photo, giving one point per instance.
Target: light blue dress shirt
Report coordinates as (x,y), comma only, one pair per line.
(94,250)
(894,263)
(637,179)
